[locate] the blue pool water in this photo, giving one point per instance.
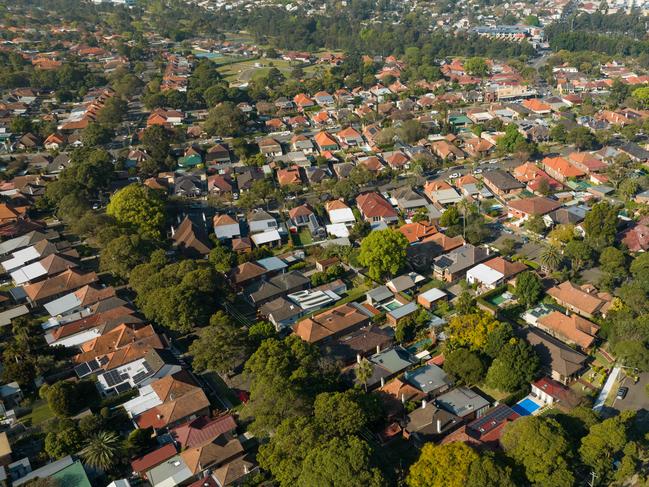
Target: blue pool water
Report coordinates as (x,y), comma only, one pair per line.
(525,407)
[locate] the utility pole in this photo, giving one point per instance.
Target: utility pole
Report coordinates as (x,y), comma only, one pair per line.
(593,476)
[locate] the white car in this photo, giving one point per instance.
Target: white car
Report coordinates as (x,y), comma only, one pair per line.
(455,175)
(493,162)
(477,171)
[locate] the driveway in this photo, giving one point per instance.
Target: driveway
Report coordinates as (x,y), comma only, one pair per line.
(637,398)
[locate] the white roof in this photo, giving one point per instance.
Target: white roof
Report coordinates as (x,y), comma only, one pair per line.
(484,274)
(62,304)
(446,196)
(265,237)
(28,272)
(433,294)
(20,258)
(338,230)
(342,215)
(146,400)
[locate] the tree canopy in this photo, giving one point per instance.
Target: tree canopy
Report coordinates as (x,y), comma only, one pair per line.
(140,208)
(383,252)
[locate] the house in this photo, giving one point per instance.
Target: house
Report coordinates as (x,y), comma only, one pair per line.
(332,323)
(261,221)
(636,238)
(219,184)
(325,142)
(485,277)
(560,169)
(408,199)
(502,183)
(277,286)
(463,402)
(269,147)
(374,208)
(299,216)
(289,176)
(635,152)
(339,212)
(303,101)
(395,394)
(506,268)
(537,106)
(394,316)
(525,208)
(405,282)
(364,342)
(454,264)
(54,141)
(46,267)
(281,312)
(168,402)
(386,365)
(584,300)
(429,424)
(429,379)
(226,227)
(572,329)
(164,117)
(552,393)
(446,151)
(350,137)
(242,274)
(269,238)
(485,432)
(441,192)
(563,363)
(427,299)
(191,239)
(302,143)
(417,232)
(586,162)
(478,147)
(397,160)
(194,433)
(218,154)
(58,285)
(372,163)
(323,98)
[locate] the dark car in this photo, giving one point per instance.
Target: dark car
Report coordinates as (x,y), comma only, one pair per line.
(622,392)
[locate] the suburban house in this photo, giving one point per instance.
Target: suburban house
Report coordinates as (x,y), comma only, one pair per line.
(562,362)
(375,208)
(218,154)
(506,268)
(485,277)
(586,162)
(339,212)
(636,238)
(408,199)
(502,183)
(226,227)
(441,192)
(277,286)
(427,299)
(553,393)
(463,402)
(485,432)
(417,232)
(429,424)
(560,169)
(446,151)
(350,137)
(332,323)
(325,142)
(584,300)
(526,208)
(191,239)
(269,147)
(572,329)
(429,379)
(289,176)
(261,221)
(387,364)
(454,264)
(299,216)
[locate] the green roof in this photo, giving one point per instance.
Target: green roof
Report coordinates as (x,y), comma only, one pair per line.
(459,120)
(188,161)
(73,476)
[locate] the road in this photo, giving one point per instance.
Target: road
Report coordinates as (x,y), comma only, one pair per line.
(637,398)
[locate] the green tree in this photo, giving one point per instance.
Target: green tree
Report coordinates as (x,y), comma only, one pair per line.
(535,224)
(442,465)
(612,262)
(471,330)
(551,257)
(579,254)
(641,96)
(600,225)
(340,462)
(156,142)
(138,207)
(96,134)
(582,138)
(122,254)
(65,440)
(528,288)
(225,120)
(515,366)
(383,252)
(532,20)
(221,346)
(113,112)
(62,398)
(222,258)
(465,365)
(562,234)
(451,217)
(526,437)
(364,372)
(102,451)
(476,66)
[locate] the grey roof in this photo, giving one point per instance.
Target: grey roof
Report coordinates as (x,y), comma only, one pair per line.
(424,421)
(634,150)
(379,294)
(402,282)
(404,310)
(461,258)
(394,360)
(280,309)
(461,401)
(257,215)
(9,314)
(272,263)
(428,378)
(174,468)
(502,180)
(554,353)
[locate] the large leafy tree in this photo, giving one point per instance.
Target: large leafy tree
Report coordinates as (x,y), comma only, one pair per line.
(140,208)
(63,439)
(465,365)
(383,252)
(225,120)
(471,330)
(221,346)
(579,253)
(528,288)
(442,465)
(525,438)
(340,462)
(515,366)
(600,225)
(123,253)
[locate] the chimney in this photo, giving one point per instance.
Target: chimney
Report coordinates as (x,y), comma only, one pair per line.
(204,219)
(172,231)
(423,404)
(358,358)
(403,398)
(439,425)
(382,381)
(245,469)
(378,349)
(159,416)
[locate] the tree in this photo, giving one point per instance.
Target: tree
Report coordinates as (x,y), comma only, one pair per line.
(513,141)
(222,258)
(612,262)
(465,366)
(284,378)
(340,462)
(579,254)
(450,217)
(65,440)
(221,346)
(562,234)
(383,252)
(476,66)
(122,254)
(582,138)
(140,208)
(641,96)
(96,134)
(600,225)
(532,20)
(497,339)
(515,366)
(487,472)
(471,330)
(225,120)
(102,451)
(340,413)
(528,288)
(364,372)
(525,438)
(442,465)
(535,224)
(140,440)
(155,140)
(550,257)
(113,112)
(62,398)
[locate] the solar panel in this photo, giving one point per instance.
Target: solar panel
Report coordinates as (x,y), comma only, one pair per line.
(123,387)
(140,376)
(93,365)
(103,360)
(112,378)
(82,370)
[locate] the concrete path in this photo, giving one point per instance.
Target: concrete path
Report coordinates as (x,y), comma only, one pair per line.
(608,385)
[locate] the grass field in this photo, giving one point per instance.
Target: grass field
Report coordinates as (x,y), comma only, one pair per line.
(249,69)
(41,412)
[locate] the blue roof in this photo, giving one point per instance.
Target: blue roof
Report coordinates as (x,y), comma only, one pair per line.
(272,263)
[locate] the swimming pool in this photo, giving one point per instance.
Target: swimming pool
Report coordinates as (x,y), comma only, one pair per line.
(499,299)
(392,305)
(526,407)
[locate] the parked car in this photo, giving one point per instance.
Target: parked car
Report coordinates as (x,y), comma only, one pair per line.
(455,175)
(622,392)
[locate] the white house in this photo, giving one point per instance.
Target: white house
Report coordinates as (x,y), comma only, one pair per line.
(339,212)
(226,227)
(261,221)
(484,276)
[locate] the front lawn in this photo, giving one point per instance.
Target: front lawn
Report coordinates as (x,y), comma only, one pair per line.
(40,413)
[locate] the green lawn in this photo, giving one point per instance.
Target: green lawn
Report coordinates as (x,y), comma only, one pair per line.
(41,412)
(303,237)
(495,393)
(251,69)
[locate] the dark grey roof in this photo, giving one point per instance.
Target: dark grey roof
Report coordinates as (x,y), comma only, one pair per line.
(280,309)
(424,420)
(502,180)
(461,401)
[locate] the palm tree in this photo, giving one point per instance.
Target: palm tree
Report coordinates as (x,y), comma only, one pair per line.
(102,450)
(364,371)
(551,257)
